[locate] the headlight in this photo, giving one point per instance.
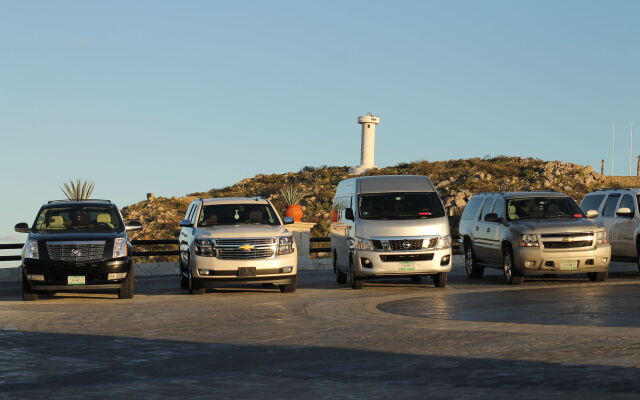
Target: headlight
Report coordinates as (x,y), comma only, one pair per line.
(444,242)
(119,248)
(602,238)
(30,249)
(285,245)
(529,240)
(363,244)
(204,248)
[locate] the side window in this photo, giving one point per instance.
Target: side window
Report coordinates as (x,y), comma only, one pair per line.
(610,205)
(627,201)
(499,207)
(471,209)
(487,207)
(592,202)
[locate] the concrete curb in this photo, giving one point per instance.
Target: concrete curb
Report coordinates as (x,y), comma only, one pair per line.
(169,268)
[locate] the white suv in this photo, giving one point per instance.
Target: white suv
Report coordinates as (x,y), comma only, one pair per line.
(236,240)
(618,211)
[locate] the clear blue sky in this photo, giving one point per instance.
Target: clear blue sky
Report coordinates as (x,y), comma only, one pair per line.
(183,96)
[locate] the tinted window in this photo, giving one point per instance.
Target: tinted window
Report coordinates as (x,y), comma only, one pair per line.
(237,214)
(487,207)
(592,202)
(543,208)
(78,218)
(400,206)
(471,209)
(610,205)
(627,201)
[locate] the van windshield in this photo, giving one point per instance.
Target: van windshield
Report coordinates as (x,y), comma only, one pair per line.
(400,206)
(542,208)
(236,214)
(83,218)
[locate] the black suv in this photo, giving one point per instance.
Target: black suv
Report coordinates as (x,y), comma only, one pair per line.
(77,245)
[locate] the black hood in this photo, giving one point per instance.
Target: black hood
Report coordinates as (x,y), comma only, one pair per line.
(73,236)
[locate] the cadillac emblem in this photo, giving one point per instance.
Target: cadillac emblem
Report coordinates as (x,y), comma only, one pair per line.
(406,245)
(75,252)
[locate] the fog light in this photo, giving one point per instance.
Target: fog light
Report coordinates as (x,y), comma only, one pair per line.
(286,270)
(604,260)
(589,262)
(366,262)
(118,275)
(35,277)
(529,264)
(203,272)
(445,260)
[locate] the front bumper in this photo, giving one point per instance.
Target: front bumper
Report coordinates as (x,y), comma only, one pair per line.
(392,263)
(211,270)
(56,274)
(535,260)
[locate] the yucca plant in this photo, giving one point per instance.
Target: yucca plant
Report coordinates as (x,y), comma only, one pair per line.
(292,194)
(78,190)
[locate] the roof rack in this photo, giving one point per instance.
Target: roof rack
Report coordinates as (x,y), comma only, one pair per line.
(79,201)
(622,188)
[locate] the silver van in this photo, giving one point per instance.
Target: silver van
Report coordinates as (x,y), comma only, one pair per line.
(389,226)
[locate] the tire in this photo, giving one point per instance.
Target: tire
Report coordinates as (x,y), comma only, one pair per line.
(27,293)
(197,291)
(128,286)
(341,277)
(416,279)
(511,274)
(598,276)
(471,262)
(638,253)
(184,281)
(290,287)
(356,283)
(440,280)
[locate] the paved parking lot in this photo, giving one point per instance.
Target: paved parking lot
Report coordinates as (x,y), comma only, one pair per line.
(551,337)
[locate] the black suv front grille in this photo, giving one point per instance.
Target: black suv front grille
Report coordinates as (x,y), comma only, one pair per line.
(76,251)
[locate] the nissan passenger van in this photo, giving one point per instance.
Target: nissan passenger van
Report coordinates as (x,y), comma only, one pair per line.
(389,226)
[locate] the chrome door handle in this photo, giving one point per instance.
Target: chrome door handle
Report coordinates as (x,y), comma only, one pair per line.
(488,230)
(477,228)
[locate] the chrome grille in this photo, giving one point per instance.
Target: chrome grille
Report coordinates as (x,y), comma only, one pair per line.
(567,240)
(247,248)
(238,254)
(567,245)
(76,251)
(241,242)
(409,244)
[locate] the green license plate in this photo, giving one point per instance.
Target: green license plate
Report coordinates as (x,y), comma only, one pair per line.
(75,280)
(407,266)
(568,264)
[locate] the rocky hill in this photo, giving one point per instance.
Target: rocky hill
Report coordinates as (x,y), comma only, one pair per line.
(456,180)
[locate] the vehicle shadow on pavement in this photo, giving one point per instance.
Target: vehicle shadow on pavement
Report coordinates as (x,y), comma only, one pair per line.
(45,365)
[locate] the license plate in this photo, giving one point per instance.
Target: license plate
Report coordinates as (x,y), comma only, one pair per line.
(247,271)
(568,264)
(407,266)
(75,280)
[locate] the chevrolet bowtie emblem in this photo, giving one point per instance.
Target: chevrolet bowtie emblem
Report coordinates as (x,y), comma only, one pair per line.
(566,239)
(246,247)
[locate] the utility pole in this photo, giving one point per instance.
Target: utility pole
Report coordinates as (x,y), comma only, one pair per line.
(631,150)
(602,166)
(613,146)
(638,168)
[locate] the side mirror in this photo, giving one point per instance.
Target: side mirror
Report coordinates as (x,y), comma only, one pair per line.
(348,214)
(492,217)
(186,223)
(624,212)
(22,227)
(287,220)
(133,225)
(592,214)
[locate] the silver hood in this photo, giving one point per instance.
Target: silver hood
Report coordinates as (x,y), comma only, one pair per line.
(241,231)
(560,225)
(367,228)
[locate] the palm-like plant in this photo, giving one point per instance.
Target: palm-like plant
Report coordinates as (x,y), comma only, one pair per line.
(292,194)
(78,190)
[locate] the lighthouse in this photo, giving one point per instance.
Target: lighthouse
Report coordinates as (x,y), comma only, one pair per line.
(367,145)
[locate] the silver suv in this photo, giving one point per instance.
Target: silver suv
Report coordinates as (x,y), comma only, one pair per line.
(529,233)
(236,240)
(618,212)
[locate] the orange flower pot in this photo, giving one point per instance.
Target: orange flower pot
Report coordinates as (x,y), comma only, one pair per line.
(294,211)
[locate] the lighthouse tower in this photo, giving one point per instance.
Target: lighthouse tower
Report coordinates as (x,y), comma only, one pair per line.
(368,145)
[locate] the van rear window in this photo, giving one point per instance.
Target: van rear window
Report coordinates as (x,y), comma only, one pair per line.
(400,206)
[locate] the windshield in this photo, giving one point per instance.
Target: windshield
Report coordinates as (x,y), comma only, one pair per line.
(235,214)
(400,206)
(543,208)
(78,218)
